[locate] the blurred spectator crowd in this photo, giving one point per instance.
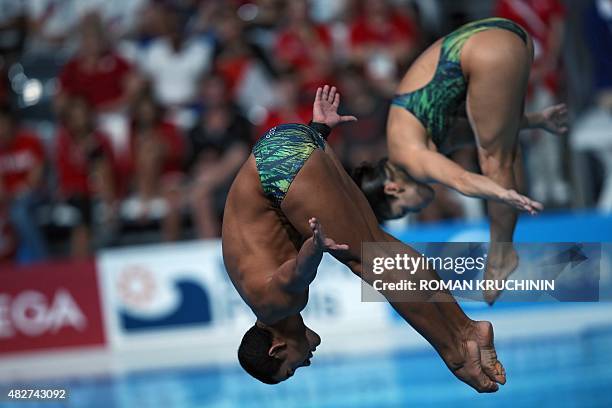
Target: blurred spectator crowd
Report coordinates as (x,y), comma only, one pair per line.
(125,121)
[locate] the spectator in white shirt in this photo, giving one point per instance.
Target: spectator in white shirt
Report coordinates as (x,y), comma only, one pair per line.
(174,63)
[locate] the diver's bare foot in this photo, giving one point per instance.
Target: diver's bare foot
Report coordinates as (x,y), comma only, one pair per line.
(479,367)
(493,368)
(502,261)
(470,370)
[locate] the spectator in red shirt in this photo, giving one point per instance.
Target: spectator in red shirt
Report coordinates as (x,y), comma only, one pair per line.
(83,157)
(381,38)
(304,46)
(361,141)
(241,62)
(234,55)
(545,22)
(153,167)
(288,107)
(97,74)
(21,172)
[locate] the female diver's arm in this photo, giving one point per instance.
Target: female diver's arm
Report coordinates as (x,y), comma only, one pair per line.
(552,119)
(426,165)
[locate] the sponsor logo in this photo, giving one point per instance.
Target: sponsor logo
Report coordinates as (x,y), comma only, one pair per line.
(32,313)
(148,301)
(49,306)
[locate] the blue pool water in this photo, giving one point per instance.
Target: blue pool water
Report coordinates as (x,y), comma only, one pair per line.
(571,371)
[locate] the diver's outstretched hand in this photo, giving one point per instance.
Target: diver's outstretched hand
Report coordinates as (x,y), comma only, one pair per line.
(321,241)
(521,202)
(325,107)
(554,119)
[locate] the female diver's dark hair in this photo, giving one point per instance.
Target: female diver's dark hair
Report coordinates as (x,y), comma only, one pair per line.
(371,180)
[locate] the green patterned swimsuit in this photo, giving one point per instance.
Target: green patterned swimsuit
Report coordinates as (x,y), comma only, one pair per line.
(435,104)
(280,154)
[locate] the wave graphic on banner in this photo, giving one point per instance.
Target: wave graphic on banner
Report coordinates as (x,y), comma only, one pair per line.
(193,309)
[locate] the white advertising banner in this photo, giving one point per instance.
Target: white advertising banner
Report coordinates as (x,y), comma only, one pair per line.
(180,294)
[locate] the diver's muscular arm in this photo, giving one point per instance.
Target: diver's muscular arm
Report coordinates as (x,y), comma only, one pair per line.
(296,274)
(427,165)
(530,120)
(552,119)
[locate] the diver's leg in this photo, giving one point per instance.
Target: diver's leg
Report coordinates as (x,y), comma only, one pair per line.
(324,191)
(497,63)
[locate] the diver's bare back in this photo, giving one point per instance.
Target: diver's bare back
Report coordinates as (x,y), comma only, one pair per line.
(257,239)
